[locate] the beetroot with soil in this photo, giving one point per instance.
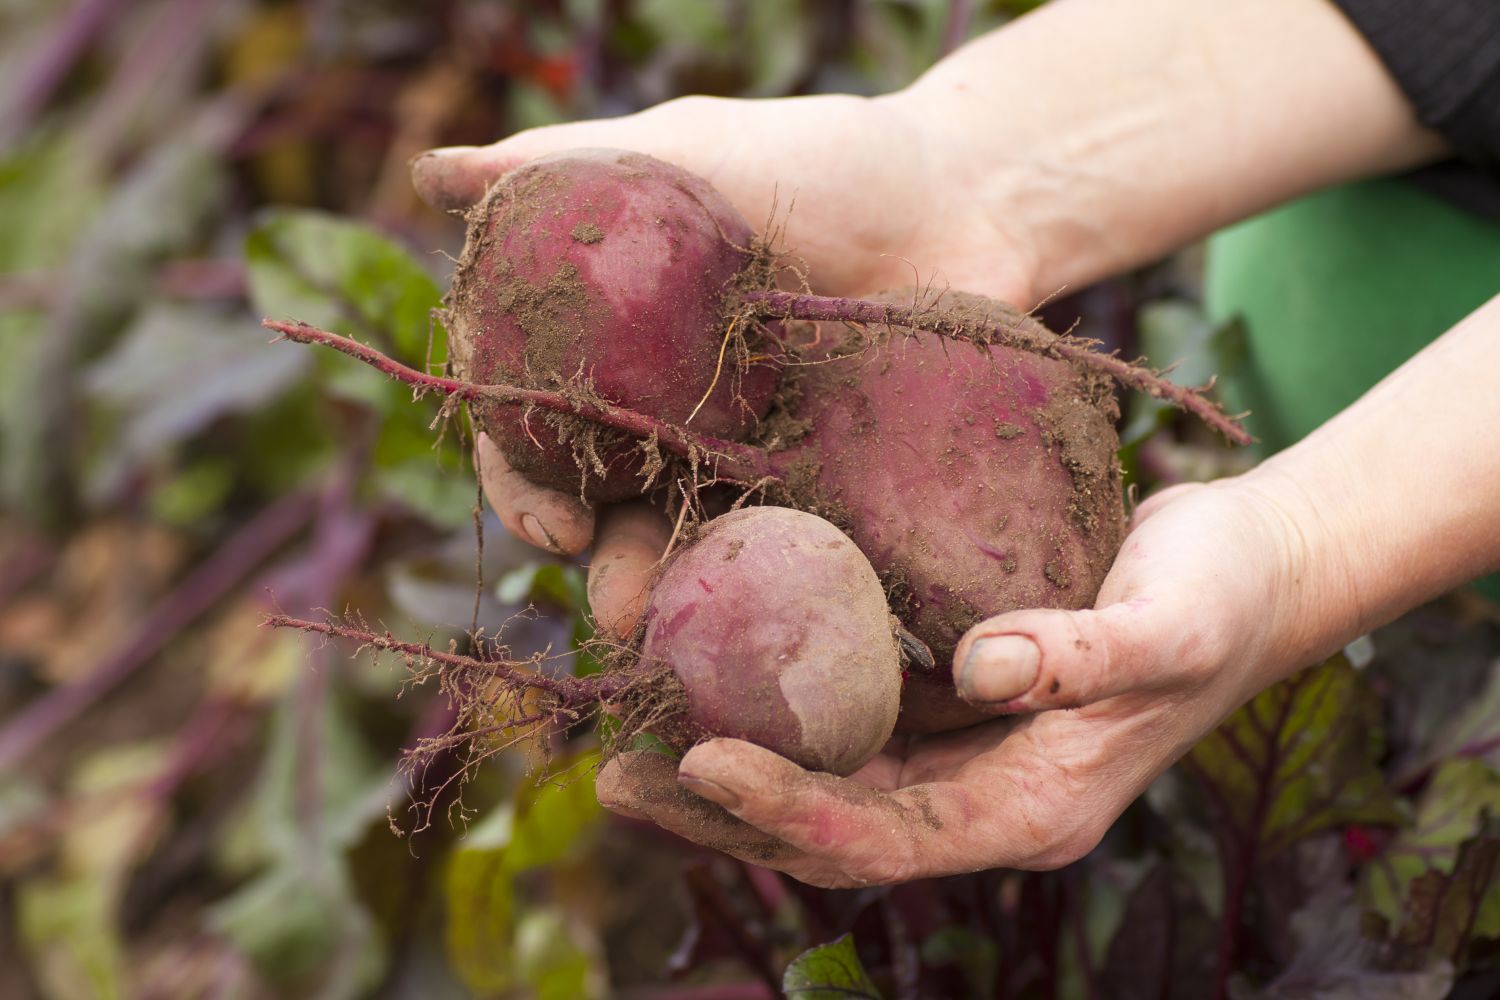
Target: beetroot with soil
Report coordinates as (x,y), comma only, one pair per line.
(995,487)
(605,274)
(777,628)
(611,311)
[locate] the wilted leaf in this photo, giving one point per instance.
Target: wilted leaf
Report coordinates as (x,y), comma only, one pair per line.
(1166,943)
(1445,911)
(828,972)
(1336,961)
(1449,813)
(1298,758)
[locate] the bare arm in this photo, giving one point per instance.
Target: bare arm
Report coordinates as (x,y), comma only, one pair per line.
(1109,134)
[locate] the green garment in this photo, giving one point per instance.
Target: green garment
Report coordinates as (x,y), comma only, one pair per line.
(1336,290)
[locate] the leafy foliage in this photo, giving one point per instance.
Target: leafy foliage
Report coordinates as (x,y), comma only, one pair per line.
(829,971)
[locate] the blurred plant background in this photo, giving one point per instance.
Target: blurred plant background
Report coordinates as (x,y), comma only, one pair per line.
(194,806)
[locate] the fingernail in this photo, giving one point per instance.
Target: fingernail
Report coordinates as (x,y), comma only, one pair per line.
(539,535)
(440,179)
(435,155)
(710,790)
(1000,668)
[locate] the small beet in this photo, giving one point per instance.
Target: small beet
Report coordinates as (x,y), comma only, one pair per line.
(778,630)
(605,274)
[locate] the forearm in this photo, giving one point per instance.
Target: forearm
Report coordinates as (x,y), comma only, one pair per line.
(1112,133)
(1397,499)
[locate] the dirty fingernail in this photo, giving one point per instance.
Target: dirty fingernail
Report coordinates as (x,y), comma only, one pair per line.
(538,534)
(1000,668)
(710,790)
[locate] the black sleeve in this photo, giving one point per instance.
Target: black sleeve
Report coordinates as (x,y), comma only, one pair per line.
(1445,54)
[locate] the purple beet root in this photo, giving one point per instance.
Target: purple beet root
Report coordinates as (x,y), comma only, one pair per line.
(778,630)
(977,481)
(608,275)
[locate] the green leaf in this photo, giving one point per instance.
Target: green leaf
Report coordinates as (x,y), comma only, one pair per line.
(300,921)
(829,972)
(486,928)
(68,929)
(1176,332)
(553,961)
(344,277)
(480,902)
(1473,731)
(554,820)
(544,583)
(347,278)
(1450,812)
(177,369)
(1298,758)
(299,916)
(977,956)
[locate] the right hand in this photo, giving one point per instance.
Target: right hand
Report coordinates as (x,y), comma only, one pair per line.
(869,195)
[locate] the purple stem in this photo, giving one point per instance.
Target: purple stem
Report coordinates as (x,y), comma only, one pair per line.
(52,65)
(209,583)
(32,558)
(956,27)
(998,330)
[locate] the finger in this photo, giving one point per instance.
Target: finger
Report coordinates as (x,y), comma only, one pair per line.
(548,519)
(630,540)
(864,835)
(1031,660)
(455,177)
(643,783)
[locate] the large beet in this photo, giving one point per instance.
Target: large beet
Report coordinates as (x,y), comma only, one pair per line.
(976,480)
(603,273)
(777,628)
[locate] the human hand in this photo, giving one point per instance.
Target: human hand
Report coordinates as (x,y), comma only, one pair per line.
(817,165)
(1210,600)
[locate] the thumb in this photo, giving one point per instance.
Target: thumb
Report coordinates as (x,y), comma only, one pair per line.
(455,177)
(1031,660)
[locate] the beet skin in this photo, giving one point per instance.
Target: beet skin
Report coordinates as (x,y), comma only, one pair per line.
(778,630)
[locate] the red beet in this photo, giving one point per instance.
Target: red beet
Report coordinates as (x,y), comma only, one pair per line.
(777,628)
(976,480)
(606,274)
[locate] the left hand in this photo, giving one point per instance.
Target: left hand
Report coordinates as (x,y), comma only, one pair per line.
(1207,603)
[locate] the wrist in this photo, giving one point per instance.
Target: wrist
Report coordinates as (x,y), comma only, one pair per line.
(1318,604)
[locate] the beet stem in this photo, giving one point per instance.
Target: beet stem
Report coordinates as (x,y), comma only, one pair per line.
(731,460)
(797,305)
(573,692)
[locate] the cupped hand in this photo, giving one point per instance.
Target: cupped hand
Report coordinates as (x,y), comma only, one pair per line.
(1204,607)
(863,191)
